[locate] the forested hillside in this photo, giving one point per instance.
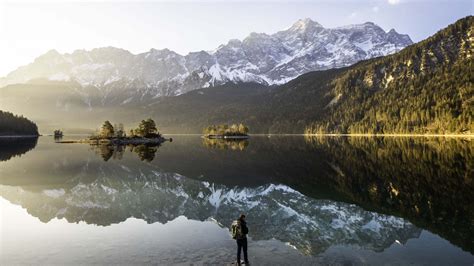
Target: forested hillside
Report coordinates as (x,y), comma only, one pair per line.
(11,125)
(426,88)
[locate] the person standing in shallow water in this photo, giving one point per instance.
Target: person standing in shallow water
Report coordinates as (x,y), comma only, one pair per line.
(239,233)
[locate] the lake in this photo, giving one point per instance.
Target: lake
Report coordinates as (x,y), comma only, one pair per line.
(308,200)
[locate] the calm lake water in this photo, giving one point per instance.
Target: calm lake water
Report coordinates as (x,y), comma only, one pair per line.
(331,200)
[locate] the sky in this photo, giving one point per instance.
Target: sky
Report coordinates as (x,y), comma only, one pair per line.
(31,28)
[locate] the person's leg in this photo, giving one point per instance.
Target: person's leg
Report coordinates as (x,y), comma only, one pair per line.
(244,245)
(239,246)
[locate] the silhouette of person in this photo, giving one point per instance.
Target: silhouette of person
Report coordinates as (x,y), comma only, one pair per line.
(241,238)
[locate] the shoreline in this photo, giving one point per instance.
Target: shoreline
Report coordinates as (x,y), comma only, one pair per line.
(20,136)
(224,137)
(393,135)
(284,134)
(343,135)
(134,141)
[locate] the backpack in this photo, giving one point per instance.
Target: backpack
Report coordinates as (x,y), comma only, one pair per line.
(236,230)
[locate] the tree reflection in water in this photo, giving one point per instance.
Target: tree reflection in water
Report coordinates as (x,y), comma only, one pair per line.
(426,180)
(12,147)
(146,152)
(226,144)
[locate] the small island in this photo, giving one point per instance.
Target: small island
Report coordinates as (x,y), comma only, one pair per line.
(58,133)
(145,134)
(225,131)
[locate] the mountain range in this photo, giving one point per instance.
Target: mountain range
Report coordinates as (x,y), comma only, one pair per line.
(425,87)
(262,58)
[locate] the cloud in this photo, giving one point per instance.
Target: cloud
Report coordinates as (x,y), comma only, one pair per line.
(353,15)
(393,2)
(375,9)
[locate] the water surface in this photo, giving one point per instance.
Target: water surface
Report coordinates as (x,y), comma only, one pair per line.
(325,200)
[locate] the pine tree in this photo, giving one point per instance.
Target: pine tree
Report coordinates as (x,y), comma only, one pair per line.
(11,124)
(147,128)
(107,130)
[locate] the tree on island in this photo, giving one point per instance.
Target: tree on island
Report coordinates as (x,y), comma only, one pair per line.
(107,130)
(146,129)
(58,133)
(119,131)
(243,129)
(226,130)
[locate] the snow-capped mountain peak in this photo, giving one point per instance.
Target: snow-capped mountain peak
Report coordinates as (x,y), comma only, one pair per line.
(304,24)
(263,58)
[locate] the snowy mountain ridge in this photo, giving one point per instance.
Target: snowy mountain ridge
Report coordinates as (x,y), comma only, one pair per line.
(266,59)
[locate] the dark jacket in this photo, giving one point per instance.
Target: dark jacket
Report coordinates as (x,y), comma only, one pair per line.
(245,229)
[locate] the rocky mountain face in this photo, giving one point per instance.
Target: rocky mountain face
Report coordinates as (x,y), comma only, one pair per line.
(261,58)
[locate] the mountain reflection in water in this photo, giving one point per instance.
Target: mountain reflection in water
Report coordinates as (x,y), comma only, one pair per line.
(311,192)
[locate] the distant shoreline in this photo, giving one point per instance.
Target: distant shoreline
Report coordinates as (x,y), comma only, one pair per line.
(393,135)
(118,141)
(19,136)
(226,137)
(343,135)
(290,134)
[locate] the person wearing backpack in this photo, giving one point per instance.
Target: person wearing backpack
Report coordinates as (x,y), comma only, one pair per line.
(239,233)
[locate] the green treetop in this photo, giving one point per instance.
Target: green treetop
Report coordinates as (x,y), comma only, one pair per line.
(224,129)
(107,130)
(146,128)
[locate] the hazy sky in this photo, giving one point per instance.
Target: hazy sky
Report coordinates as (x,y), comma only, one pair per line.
(29,29)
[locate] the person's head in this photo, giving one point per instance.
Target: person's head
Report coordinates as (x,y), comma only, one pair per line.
(242,217)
